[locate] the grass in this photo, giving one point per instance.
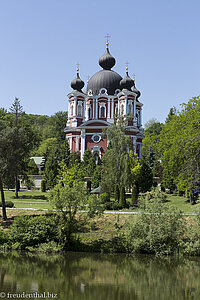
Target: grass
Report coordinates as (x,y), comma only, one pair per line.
(38,200)
(28,199)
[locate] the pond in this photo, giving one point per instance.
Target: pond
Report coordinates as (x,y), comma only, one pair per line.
(86,276)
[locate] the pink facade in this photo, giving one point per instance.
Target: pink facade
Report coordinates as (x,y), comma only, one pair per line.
(107,96)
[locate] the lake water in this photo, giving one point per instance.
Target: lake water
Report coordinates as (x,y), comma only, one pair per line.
(85,276)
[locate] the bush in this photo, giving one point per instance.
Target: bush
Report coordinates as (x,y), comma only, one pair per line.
(43,185)
(104,197)
(157,230)
(116,206)
(29,183)
(9,204)
(108,205)
(122,197)
(117,193)
(32,231)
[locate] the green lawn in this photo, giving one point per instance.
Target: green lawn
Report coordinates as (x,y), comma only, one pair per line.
(38,200)
(28,199)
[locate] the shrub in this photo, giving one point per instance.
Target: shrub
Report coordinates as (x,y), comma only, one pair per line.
(31,231)
(158,230)
(116,206)
(43,185)
(122,197)
(104,197)
(134,195)
(8,204)
(108,205)
(117,193)
(29,183)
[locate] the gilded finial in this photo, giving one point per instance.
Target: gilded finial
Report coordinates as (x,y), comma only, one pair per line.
(107,38)
(77,68)
(127,67)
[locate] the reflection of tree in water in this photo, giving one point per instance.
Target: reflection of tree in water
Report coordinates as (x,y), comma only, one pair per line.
(98,276)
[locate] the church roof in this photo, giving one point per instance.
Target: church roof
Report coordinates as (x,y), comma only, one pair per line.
(105,78)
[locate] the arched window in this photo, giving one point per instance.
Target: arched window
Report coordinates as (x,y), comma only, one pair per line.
(116,110)
(122,109)
(89,113)
(102,115)
(129,109)
(72,110)
(79,110)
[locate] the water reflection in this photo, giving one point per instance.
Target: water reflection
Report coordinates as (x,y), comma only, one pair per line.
(85,276)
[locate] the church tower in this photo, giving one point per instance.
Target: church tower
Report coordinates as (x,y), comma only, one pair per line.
(107,95)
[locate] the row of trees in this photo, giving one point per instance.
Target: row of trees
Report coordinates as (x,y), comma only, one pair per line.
(21,136)
(172,149)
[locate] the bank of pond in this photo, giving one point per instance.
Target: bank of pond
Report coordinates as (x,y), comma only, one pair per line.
(157,229)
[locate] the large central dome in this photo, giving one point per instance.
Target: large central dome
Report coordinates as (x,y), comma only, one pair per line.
(105,78)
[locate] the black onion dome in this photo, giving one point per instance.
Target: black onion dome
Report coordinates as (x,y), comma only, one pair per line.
(77,84)
(107,79)
(134,89)
(126,82)
(107,61)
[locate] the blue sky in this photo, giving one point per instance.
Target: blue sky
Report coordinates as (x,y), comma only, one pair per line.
(43,40)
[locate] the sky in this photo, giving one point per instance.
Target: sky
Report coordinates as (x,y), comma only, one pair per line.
(43,40)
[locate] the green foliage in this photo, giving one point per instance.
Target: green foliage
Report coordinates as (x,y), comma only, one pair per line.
(43,185)
(159,230)
(72,174)
(145,180)
(32,168)
(32,231)
(122,199)
(104,197)
(117,193)
(115,162)
(150,151)
(179,145)
(9,204)
(29,183)
(89,164)
(96,178)
(134,195)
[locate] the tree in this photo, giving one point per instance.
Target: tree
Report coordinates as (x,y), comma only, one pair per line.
(69,201)
(145,180)
(150,153)
(89,164)
(179,145)
(115,162)
(32,167)
(22,139)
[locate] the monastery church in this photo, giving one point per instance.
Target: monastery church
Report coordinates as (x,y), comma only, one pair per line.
(106,96)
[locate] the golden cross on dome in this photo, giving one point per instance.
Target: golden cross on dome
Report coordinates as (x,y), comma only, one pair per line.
(107,38)
(77,67)
(127,63)
(134,76)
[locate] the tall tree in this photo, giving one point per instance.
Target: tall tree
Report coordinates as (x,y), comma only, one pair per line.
(115,163)
(179,145)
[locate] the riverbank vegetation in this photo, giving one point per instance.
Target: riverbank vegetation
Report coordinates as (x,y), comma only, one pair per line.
(75,219)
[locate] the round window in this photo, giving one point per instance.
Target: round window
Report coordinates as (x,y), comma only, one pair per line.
(96,138)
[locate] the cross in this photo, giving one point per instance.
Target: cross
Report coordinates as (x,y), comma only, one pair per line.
(127,63)
(107,37)
(77,65)
(134,76)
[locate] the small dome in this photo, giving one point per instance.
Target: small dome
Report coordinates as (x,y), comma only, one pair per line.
(107,61)
(134,89)
(77,84)
(126,82)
